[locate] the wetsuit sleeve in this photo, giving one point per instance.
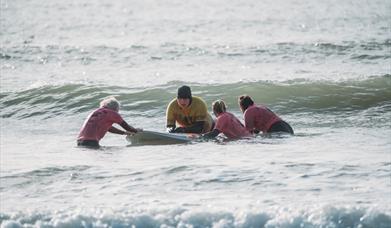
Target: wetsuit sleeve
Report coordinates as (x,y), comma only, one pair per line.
(170,114)
(197,127)
(211,134)
(127,127)
(116,130)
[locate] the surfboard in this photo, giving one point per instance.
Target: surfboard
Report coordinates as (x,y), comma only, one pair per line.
(157,138)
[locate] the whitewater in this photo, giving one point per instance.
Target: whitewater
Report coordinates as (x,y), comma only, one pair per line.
(323,66)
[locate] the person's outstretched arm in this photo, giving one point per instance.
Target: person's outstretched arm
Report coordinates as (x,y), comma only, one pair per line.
(211,134)
(129,128)
(116,131)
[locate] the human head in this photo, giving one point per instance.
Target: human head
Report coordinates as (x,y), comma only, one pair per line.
(218,107)
(184,96)
(110,103)
(245,101)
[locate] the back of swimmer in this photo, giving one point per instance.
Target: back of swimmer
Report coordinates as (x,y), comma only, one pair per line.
(259,118)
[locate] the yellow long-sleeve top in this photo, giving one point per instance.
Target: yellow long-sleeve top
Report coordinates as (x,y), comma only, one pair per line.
(185,117)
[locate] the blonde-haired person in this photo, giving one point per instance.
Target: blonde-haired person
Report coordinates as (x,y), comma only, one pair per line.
(100,121)
(226,123)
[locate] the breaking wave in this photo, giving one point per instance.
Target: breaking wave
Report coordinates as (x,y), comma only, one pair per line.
(293,96)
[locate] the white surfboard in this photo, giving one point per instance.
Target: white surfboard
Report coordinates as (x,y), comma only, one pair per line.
(157,138)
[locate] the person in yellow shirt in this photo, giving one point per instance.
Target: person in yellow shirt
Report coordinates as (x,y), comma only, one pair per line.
(189,112)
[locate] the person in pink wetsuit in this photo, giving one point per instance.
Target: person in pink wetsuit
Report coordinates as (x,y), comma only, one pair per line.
(100,121)
(226,123)
(259,118)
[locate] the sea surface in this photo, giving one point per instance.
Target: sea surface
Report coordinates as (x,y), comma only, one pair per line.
(323,66)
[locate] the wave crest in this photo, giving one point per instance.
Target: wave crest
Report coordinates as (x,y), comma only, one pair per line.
(285,97)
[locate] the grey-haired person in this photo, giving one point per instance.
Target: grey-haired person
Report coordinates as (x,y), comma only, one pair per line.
(100,121)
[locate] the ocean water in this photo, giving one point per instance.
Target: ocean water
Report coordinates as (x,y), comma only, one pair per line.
(323,66)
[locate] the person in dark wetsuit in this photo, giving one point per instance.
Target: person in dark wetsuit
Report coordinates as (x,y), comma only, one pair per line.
(259,118)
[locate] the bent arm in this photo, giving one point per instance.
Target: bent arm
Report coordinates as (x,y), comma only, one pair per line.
(197,128)
(170,116)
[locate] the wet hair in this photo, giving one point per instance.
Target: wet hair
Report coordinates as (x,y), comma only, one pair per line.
(110,103)
(184,92)
(245,101)
(219,106)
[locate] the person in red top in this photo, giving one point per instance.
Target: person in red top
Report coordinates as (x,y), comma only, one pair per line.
(100,121)
(226,123)
(259,118)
